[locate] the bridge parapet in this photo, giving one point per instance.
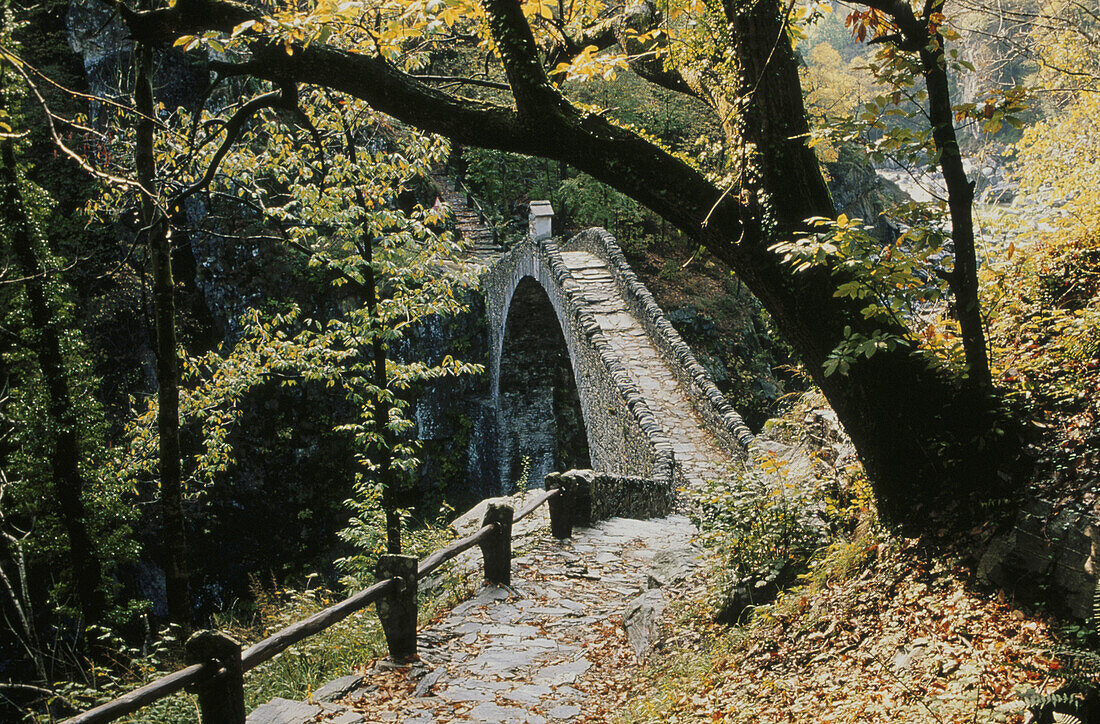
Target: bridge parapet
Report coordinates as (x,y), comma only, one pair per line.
(721,419)
(594,496)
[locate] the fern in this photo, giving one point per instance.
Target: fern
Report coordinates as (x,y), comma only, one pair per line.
(1076,700)
(1060,718)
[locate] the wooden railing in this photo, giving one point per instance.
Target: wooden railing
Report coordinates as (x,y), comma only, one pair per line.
(216,673)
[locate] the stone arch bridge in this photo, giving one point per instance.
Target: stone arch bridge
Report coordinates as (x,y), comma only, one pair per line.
(585,371)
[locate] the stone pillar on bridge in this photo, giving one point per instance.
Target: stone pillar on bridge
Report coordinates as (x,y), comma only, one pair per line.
(540,217)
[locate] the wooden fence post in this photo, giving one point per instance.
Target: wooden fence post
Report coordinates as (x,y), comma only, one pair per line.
(221,696)
(397,609)
(496,550)
(561,505)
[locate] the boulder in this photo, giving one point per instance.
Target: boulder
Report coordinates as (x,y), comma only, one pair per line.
(337,689)
(283,711)
(642,621)
(670,566)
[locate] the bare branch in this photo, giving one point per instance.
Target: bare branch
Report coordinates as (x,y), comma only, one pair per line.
(59,142)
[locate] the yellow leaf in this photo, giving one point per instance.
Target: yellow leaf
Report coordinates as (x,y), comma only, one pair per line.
(242,27)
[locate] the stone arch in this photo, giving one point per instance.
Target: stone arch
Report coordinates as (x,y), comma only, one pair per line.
(541,416)
(623,437)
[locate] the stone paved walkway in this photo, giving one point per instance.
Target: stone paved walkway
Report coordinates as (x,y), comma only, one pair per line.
(481,243)
(535,651)
(694,448)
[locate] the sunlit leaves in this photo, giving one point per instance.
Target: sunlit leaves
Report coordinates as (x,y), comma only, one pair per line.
(591,63)
(1000,106)
(1059,160)
(302,185)
(898,284)
(869,23)
(539,9)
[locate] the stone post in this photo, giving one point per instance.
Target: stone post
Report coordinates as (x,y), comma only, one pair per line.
(561,505)
(583,482)
(221,697)
(540,217)
(496,550)
(397,610)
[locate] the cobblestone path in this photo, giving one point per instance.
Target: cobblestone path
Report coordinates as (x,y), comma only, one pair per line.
(541,650)
(694,448)
(481,243)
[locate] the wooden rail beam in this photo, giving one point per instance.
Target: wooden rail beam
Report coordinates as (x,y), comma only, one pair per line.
(131,701)
(282,640)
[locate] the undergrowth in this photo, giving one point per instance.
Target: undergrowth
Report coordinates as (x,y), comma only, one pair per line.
(868,626)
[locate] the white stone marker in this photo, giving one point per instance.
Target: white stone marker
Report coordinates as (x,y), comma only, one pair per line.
(539,218)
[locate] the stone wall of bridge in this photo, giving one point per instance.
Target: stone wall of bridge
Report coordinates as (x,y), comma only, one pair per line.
(620,431)
(722,420)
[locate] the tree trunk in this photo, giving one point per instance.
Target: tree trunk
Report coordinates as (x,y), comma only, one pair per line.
(157,232)
(27,243)
(382,409)
(919,434)
(963,280)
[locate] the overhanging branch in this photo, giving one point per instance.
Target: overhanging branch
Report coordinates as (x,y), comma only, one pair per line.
(544,123)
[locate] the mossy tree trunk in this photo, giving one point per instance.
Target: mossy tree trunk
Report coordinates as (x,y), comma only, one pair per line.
(27,245)
(158,239)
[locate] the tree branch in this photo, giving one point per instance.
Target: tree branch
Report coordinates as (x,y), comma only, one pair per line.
(535,97)
(601,35)
(459,80)
(186,17)
(545,124)
(901,13)
(233,128)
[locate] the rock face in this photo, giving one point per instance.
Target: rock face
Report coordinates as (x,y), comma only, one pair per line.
(743,594)
(1048,555)
(861,193)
